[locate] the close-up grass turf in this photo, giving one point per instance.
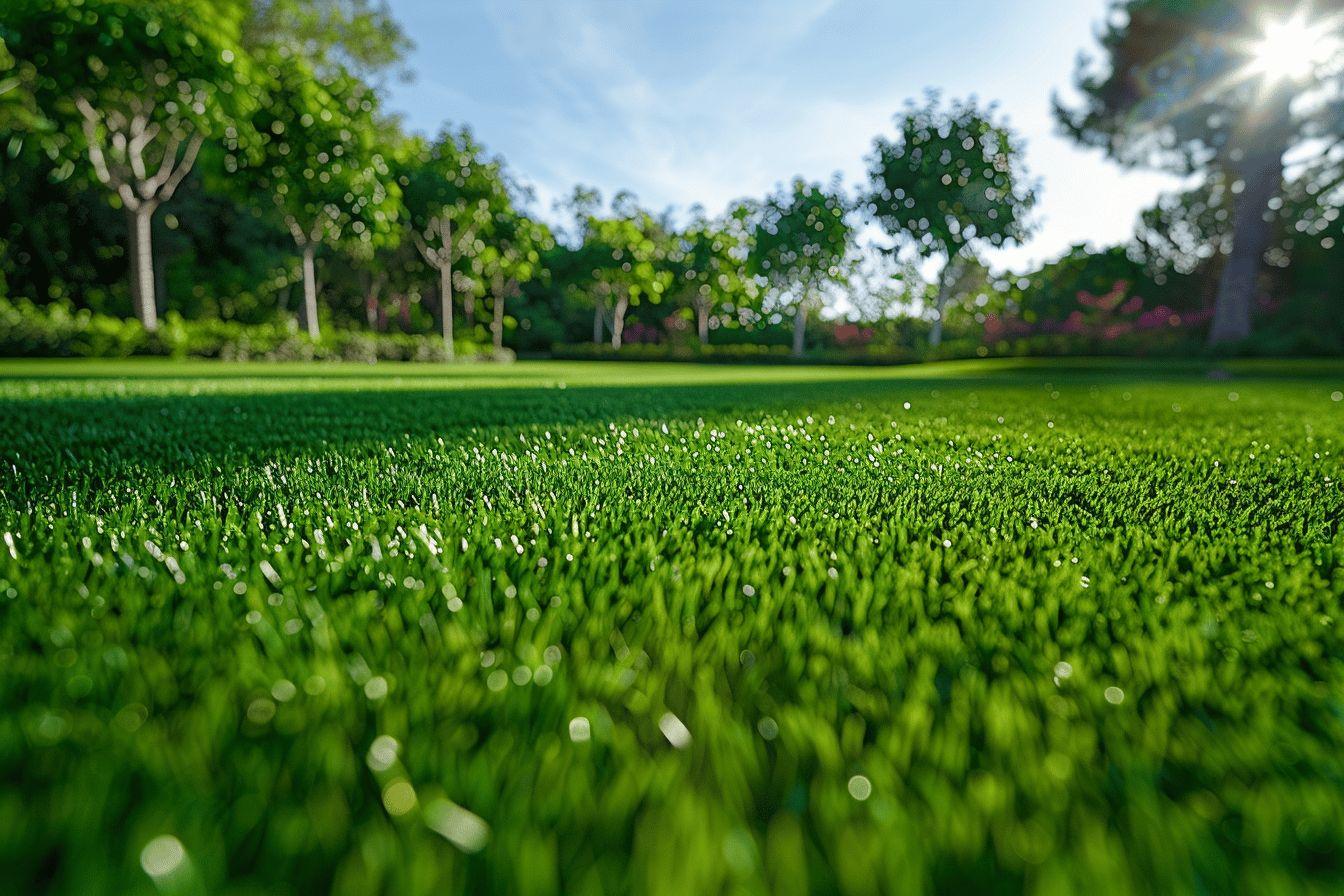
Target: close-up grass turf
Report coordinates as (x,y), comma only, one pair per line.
(565,628)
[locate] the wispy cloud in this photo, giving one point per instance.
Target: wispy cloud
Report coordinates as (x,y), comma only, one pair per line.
(703,102)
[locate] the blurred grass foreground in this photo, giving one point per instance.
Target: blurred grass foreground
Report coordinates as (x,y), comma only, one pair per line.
(978,627)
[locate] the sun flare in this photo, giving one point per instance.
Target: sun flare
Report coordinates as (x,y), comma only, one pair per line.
(1294,48)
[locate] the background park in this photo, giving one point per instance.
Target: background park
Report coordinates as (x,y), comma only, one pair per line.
(992,546)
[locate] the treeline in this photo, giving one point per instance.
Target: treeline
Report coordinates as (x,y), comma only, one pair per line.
(225,160)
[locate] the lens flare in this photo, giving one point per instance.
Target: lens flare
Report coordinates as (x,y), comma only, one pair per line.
(1294,48)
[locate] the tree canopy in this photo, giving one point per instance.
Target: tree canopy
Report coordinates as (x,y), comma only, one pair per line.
(801,245)
(1210,87)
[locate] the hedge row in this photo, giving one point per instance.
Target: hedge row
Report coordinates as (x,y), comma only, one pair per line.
(56,331)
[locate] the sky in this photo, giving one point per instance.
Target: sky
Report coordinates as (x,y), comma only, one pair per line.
(706,101)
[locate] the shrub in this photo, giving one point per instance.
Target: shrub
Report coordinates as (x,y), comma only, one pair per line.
(56,331)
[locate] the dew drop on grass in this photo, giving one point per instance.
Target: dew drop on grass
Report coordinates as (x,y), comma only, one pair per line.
(461,827)
(676,732)
(382,753)
(399,797)
(162,856)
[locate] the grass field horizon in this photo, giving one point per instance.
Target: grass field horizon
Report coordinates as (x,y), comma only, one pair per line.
(548,627)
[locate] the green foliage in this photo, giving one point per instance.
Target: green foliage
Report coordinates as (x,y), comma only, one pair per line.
(321,160)
(627,257)
(801,242)
(709,266)
(951,179)
(1175,86)
(456,198)
(1054,628)
(156,71)
(18,104)
(357,36)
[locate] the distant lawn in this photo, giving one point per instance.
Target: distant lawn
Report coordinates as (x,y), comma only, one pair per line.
(602,628)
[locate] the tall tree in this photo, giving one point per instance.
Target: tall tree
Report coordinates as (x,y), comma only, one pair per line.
(358,37)
(1219,88)
(710,267)
(134,89)
(510,255)
(452,191)
(323,165)
(950,181)
(802,243)
(626,257)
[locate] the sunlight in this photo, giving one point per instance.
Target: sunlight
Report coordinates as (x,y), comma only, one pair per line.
(1293,49)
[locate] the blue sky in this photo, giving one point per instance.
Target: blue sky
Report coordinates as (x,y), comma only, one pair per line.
(695,101)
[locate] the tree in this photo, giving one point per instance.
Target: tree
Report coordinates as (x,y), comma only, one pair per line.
(323,166)
(1222,88)
(950,181)
(19,112)
(509,257)
(452,192)
(134,89)
(356,37)
(801,244)
(626,257)
(711,264)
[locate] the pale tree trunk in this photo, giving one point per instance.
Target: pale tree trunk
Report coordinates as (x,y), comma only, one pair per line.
(141,242)
(161,297)
(618,320)
(497,325)
(800,329)
(133,263)
(376,282)
(597,323)
(310,291)
(441,259)
(1251,236)
(469,308)
(116,141)
(945,278)
(446,307)
(702,322)
(1260,170)
(936,334)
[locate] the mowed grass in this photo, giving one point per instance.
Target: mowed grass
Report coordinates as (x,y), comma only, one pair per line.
(560,628)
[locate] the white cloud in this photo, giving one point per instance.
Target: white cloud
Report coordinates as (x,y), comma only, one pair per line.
(704,102)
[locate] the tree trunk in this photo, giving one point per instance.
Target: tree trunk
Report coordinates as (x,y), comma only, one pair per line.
(161,257)
(597,322)
(310,291)
(497,325)
(618,320)
(372,292)
(446,307)
(142,266)
(800,329)
(1251,236)
(936,334)
(702,322)
(469,307)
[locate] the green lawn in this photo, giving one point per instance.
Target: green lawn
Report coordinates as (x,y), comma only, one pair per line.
(600,629)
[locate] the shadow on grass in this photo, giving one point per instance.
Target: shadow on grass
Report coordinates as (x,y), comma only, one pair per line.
(539,373)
